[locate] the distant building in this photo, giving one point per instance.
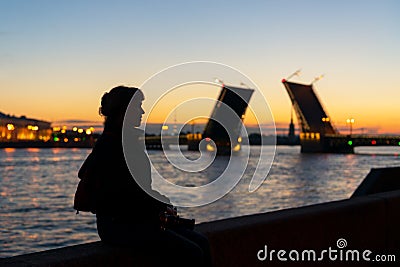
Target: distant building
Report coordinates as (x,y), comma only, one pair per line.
(23,129)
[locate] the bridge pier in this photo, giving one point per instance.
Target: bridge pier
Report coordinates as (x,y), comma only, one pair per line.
(325,144)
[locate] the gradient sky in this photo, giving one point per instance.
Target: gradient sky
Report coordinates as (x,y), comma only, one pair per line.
(58,57)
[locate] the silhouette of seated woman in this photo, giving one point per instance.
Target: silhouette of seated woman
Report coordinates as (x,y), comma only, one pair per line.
(126,214)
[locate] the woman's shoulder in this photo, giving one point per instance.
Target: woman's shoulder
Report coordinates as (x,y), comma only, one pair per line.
(107,146)
(108,139)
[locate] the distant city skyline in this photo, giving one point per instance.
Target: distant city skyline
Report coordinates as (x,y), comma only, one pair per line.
(282,128)
(58,58)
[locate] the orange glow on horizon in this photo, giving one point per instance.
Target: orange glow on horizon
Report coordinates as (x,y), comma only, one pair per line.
(378,116)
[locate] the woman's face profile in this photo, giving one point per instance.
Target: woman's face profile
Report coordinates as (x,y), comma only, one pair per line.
(138,112)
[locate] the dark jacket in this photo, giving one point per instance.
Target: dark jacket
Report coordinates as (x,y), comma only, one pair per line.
(117,194)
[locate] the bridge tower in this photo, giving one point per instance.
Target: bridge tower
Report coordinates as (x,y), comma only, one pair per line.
(291,133)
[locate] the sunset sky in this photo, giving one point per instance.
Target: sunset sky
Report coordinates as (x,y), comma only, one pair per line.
(58,57)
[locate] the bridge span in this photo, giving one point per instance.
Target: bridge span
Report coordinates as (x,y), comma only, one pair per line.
(340,143)
(317,133)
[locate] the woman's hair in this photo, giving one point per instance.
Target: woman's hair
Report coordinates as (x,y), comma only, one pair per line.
(115,103)
(117,100)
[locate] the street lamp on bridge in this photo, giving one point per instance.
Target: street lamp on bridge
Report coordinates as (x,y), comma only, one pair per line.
(350,121)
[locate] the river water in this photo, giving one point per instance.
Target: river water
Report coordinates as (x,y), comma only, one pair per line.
(37,188)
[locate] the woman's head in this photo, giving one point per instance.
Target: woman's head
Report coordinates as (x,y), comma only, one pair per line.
(115,103)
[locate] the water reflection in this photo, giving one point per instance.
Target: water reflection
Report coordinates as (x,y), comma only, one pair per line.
(188,179)
(378,150)
(9,150)
(294,180)
(37,188)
